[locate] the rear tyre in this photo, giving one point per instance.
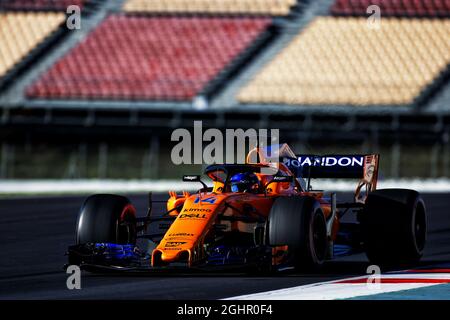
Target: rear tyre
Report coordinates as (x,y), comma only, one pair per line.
(106,218)
(299,223)
(394,225)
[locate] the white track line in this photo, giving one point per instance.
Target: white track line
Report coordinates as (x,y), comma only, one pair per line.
(92,186)
(332,290)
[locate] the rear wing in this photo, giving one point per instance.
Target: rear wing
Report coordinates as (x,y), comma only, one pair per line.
(362,167)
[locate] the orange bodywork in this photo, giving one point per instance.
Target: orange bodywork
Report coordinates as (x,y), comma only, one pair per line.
(184,240)
(203,211)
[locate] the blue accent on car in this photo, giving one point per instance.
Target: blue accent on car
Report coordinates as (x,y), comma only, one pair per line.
(340,250)
(223,255)
(114,251)
(210,200)
(332,166)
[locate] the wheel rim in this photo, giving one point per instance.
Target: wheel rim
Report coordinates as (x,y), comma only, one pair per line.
(420,227)
(126,232)
(319,237)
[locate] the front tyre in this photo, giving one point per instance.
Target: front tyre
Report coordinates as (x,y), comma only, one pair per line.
(106,218)
(299,223)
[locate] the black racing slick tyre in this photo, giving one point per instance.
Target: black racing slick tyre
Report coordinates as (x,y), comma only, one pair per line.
(299,223)
(106,218)
(394,227)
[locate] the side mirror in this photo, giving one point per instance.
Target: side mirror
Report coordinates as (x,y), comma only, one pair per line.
(282,179)
(191,178)
(194,178)
(278,179)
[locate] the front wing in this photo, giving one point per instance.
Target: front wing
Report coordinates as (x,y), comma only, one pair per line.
(115,258)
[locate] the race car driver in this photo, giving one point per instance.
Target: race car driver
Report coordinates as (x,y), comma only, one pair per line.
(245,182)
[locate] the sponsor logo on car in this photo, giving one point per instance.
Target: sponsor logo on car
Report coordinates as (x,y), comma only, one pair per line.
(329,161)
(197,210)
(192,216)
(172,244)
(181,234)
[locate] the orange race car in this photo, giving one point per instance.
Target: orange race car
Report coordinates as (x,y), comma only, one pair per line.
(262,214)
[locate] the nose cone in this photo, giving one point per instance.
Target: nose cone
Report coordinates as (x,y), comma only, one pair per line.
(167,256)
(186,232)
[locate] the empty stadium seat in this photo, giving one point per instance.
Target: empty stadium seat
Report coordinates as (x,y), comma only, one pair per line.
(401,8)
(260,7)
(342,61)
(151,58)
(20,32)
(39,4)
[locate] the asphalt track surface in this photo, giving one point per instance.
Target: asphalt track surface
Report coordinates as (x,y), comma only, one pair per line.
(35,232)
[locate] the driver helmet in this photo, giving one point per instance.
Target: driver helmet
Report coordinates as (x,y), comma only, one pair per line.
(245,182)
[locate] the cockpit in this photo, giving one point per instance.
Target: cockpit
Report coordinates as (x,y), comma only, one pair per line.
(250,178)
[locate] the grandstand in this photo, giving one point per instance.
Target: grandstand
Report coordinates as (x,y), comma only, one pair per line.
(22,32)
(242,7)
(124,58)
(337,61)
(39,5)
(393,8)
(139,68)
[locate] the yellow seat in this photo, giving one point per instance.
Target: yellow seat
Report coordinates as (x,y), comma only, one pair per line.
(20,32)
(342,61)
(258,7)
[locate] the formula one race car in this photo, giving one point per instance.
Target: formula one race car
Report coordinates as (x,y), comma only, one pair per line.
(263,214)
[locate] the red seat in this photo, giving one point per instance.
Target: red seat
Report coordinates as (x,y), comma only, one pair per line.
(40,4)
(155,58)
